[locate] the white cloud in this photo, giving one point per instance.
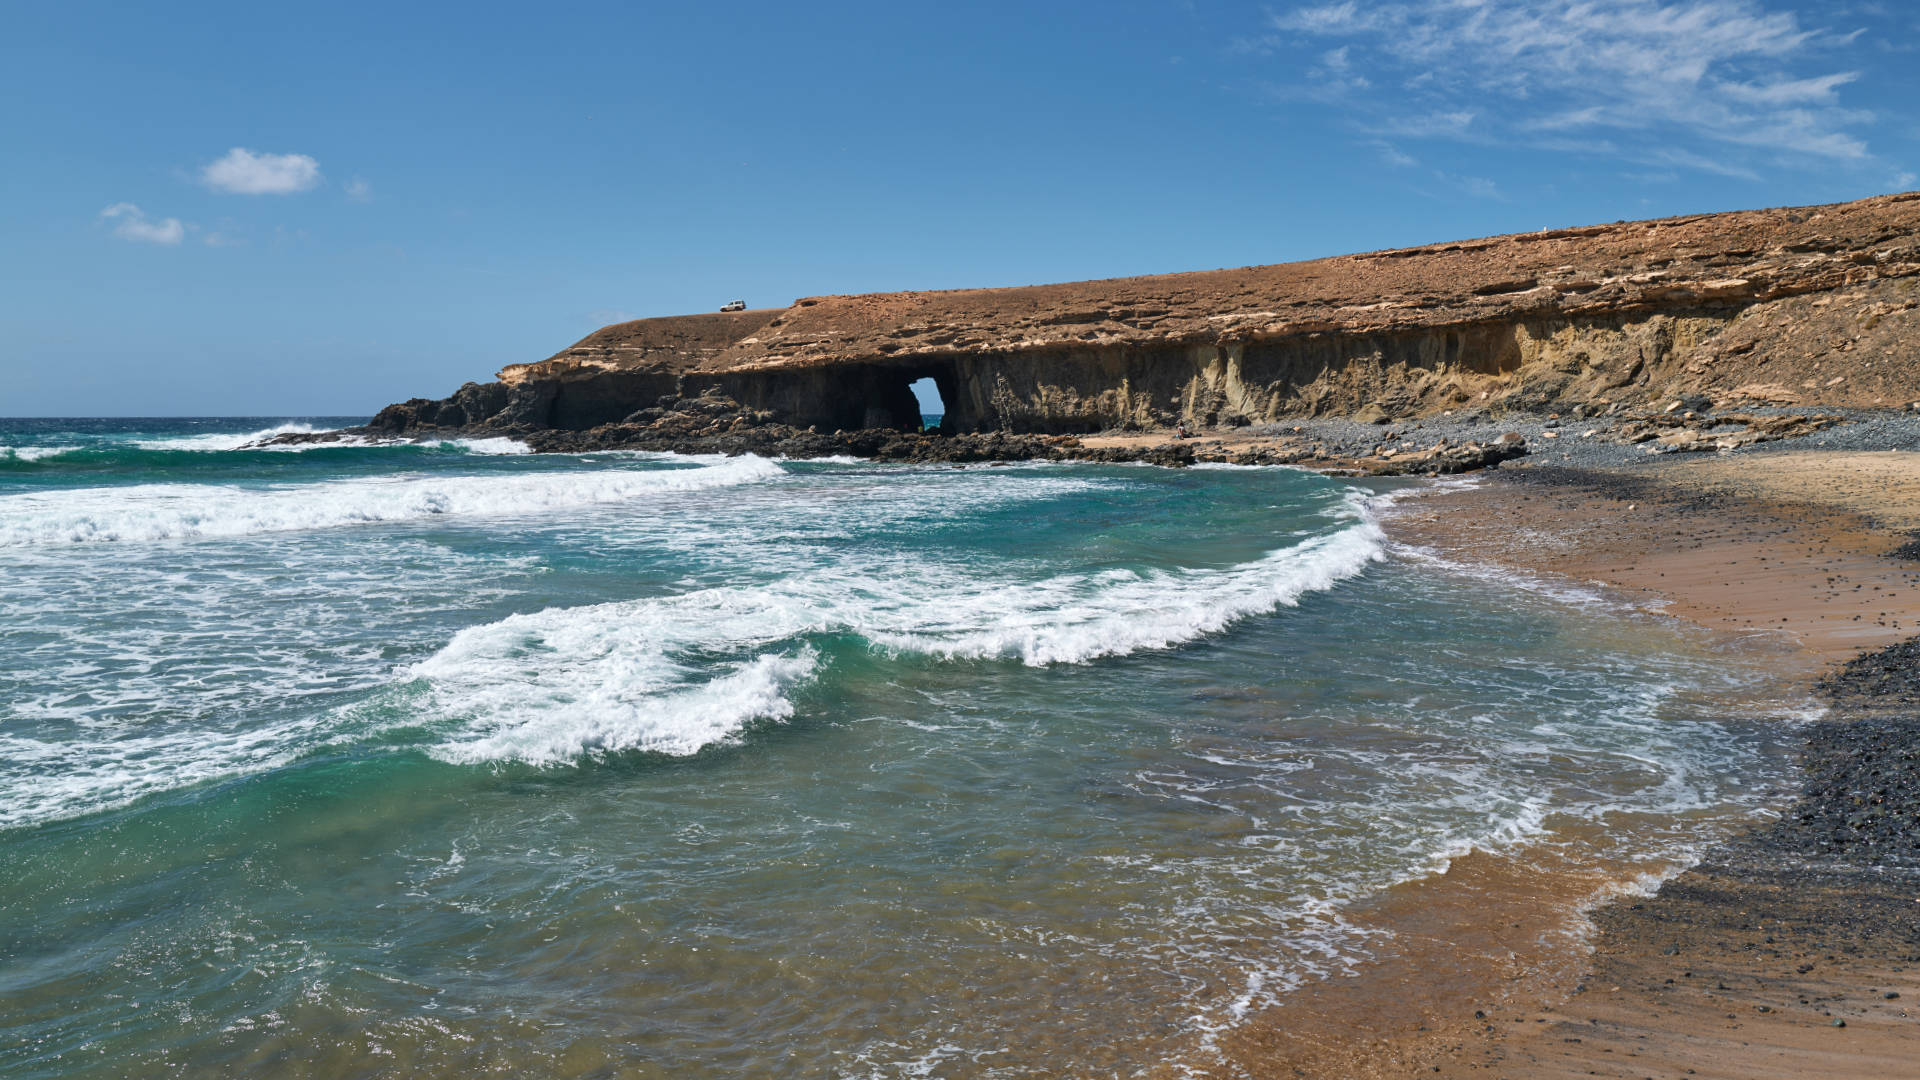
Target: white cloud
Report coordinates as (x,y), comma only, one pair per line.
(1687,159)
(1674,73)
(1454,124)
(1393,156)
(1819,90)
(131,223)
(1477,186)
(1903,181)
(243,172)
(359,190)
(1328,19)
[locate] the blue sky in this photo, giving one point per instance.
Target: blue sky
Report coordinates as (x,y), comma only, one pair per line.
(251,209)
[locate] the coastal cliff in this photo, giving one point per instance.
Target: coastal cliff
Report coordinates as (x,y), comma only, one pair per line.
(1815,306)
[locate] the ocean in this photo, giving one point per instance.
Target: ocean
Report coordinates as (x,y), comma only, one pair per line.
(447,760)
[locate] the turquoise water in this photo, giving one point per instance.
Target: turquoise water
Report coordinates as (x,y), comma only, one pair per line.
(451,760)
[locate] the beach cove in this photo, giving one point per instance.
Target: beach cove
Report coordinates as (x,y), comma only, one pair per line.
(1479,657)
(989,771)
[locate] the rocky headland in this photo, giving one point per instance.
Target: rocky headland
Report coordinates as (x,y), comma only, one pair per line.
(1708,332)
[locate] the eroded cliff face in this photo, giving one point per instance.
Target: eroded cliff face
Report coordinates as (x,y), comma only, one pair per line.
(1816,306)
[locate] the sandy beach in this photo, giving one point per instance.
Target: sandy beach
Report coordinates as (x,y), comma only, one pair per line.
(1790,951)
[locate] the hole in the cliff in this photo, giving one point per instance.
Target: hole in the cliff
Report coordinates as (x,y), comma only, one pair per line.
(932,408)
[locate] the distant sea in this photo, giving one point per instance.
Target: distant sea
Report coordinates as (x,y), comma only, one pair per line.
(447,759)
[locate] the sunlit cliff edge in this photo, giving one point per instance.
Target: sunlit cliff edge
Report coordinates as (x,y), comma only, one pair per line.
(1812,306)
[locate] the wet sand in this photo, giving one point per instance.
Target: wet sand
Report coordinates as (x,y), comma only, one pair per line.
(1791,951)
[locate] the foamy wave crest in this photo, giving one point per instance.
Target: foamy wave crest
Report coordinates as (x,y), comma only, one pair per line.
(552,686)
(831,459)
(1074,619)
(223,441)
(499,445)
(187,511)
(36,453)
(549,688)
(565,683)
(47,781)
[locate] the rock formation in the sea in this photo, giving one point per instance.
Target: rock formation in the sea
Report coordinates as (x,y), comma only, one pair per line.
(1816,306)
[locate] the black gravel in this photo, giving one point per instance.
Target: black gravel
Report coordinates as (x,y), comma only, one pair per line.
(1833,881)
(1566,442)
(1859,808)
(1861,803)
(1910,551)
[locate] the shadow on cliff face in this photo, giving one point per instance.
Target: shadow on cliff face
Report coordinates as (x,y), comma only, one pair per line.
(1817,306)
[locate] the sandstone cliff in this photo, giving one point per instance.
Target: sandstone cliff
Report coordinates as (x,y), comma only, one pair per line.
(1813,306)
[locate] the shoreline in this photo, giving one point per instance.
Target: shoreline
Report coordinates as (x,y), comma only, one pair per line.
(1791,949)
(1740,965)
(1524,964)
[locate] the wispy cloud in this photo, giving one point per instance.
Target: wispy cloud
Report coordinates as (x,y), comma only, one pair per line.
(1477,186)
(1393,155)
(1661,75)
(1680,157)
(359,190)
(243,172)
(131,223)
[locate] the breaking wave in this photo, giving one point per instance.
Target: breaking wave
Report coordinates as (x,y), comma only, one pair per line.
(498,445)
(219,441)
(36,453)
(557,685)
(58,779)
(1075,619)
(151,512)
(209,449)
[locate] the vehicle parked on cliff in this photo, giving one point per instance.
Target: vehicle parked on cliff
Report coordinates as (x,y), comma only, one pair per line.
(734,305)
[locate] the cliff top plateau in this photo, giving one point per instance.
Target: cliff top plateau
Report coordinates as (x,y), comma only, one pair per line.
(1802,308)
(1623,267)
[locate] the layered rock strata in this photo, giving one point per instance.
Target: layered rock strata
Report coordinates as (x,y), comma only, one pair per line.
(1816,306)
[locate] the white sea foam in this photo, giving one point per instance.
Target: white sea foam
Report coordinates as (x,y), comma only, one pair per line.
(111,696)
(831,459)
(499,445)
(606,701)
(1072,619)
(51,780)
(223,440)
(185,511)
(553,686)
(36,453)
(1564,590)
(662,455)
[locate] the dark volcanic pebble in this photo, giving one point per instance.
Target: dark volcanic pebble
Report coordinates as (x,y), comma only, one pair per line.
(1833,881)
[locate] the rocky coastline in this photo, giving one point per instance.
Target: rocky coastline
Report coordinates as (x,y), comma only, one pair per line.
(1606,361)
(1705,333)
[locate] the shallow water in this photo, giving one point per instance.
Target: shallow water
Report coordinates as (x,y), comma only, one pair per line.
(449,760)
